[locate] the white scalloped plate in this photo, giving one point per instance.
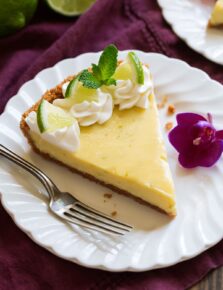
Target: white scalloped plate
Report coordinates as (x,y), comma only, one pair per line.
(189,19)
(156,241)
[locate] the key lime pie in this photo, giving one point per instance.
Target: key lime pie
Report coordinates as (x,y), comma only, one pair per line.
(216,19)
(104,124)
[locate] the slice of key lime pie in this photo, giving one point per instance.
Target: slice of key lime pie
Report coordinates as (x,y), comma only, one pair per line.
(104,124)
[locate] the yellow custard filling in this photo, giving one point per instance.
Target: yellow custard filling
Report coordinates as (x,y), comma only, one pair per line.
(127,152)
(217,14)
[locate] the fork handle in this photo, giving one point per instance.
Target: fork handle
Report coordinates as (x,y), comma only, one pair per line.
(43,178)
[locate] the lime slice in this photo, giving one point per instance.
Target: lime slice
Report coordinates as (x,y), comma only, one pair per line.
(136,66)
(85,94)
(70,7)
(15,14)
(71,88)
(76,93)
(130,69)
(123,72)
(50,118)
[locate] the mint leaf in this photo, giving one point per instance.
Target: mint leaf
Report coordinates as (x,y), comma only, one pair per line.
(108,62)
(101,73)
(96,71)
(110,81)
(89,80)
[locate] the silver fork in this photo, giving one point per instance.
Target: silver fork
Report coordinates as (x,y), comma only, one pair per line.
(67,207)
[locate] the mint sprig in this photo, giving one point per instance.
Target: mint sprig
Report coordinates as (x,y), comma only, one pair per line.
(102,73)
(108,62)
(89,80)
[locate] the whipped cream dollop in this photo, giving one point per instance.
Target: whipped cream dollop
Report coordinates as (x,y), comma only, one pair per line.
(128,93)
(90,112)
(67,138)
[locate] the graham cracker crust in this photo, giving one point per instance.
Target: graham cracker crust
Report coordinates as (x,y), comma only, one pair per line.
(217,26)
(50,96)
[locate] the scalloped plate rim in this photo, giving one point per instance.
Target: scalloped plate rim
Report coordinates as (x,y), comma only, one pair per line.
(74,259)
(185,39)
(98,266)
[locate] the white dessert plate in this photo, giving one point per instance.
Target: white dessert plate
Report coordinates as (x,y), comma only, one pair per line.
(156,241)
(189,19)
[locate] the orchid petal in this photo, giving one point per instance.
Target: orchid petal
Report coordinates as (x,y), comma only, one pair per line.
(180,138)
(189,118)
(196,140)
(197,156)
(219,134)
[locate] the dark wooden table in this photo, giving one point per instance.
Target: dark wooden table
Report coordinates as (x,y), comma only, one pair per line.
(213,281)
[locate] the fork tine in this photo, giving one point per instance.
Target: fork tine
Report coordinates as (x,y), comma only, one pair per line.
(91,225)
(92,221)
(94,215)
(90,211)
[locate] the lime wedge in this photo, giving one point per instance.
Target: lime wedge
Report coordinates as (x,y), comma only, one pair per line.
(136,66)
(50,118)
(84,94)
(71,88)
(77,93)
(123,72)
(70,7)
(130,69)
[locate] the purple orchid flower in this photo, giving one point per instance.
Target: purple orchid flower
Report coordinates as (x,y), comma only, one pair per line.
(196,140)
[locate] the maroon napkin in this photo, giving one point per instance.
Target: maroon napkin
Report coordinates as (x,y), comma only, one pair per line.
(49,38)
